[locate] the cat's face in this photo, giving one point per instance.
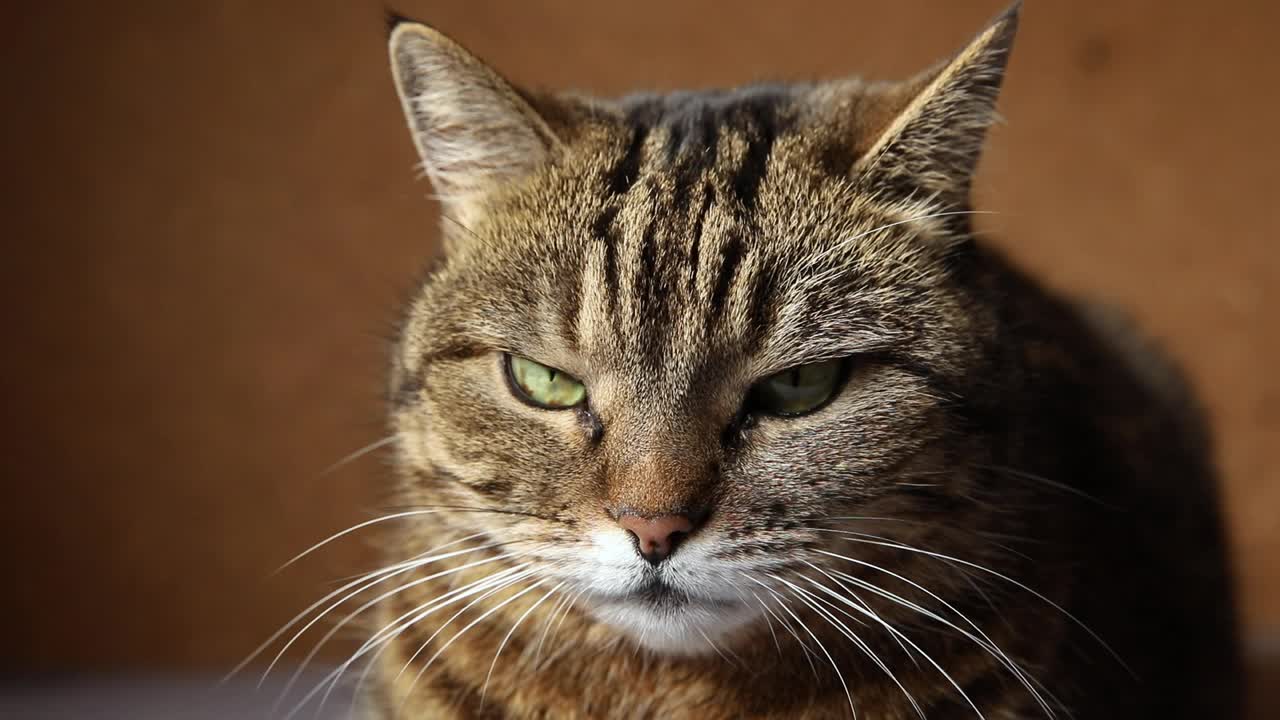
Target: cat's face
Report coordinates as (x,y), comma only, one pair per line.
(677,340)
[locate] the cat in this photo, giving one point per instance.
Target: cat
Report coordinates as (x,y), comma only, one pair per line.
(715,406)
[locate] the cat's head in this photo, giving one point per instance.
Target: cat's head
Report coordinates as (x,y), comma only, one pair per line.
(677,339)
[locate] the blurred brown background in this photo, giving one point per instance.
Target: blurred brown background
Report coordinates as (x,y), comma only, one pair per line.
(211,214)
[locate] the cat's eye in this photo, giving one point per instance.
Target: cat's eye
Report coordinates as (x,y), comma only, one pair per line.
(543,386)
(798,390)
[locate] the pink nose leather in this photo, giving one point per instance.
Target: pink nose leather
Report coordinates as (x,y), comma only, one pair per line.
(656,537)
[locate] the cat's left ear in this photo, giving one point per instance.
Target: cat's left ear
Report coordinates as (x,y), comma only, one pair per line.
(932,143)
(474,131)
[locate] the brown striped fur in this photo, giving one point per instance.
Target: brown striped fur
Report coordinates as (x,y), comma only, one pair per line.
(671,250)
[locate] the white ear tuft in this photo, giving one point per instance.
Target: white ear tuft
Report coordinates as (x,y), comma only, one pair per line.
(473,130)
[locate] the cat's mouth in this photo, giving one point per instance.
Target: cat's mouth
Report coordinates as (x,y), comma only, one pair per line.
(659,593)
(659,596)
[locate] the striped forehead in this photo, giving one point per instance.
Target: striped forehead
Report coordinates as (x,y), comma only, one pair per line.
(674,276)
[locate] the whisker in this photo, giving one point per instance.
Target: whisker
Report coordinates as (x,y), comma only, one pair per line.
(485,689)
(492,511)
(485,585)
(769,622)
(809,654)
(861,602)
(811,601)
(352,457)
(1006,578)
(984,642)
(524,572)
(393,629)
(555,631)
(737,662)
(386,572)
(834,666)
(297,673)
(1024,475)
(546,627)
(463,631)
(898,636)
(928,658)
(353,528)
(456,223)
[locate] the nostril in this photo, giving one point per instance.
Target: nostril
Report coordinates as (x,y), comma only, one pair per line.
(697,518)
(656,537)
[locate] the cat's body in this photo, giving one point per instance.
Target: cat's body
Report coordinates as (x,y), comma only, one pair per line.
(1001,498)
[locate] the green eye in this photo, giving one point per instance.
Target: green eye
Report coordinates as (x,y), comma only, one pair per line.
(544,386)
(798,390)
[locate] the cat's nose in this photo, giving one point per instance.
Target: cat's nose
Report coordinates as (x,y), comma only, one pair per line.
(657,537)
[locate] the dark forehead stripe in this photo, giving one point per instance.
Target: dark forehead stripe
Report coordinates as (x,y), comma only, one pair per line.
(621,177)
(677,140)
(695,250)
(605,230)
(762,293)
(693,121)
(759,123)
(730,258)
(648,282)
(627,170)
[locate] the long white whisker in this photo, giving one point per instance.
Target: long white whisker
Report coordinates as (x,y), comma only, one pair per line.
(928,658)
(315,649)
(353,528)
(468,626)
(485,588)
(982,639)
(385,572)
(863,604)
(835,622)
(777,645)
(352,457)
(1006,578)
(487,585)
(485,689)
(893,632)
(834,665)
(809,654)
(555,631)
(546,627)
(718,651)
(524,572)
(382,638)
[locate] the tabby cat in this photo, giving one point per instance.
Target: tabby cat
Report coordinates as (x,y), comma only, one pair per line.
(716,407)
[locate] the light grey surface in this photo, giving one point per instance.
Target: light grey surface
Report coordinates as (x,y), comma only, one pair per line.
(161,698)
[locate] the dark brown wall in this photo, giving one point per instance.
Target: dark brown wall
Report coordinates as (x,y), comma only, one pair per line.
(210,214)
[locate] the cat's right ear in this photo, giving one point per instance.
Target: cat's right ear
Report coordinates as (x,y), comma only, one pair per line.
(473,130)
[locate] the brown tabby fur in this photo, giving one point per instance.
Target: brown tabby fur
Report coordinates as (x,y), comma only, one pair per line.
(672,250)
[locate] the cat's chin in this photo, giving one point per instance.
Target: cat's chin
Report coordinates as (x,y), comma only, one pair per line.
(688,627)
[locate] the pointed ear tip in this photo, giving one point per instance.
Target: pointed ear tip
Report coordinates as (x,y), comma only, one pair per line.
(1007,22)
(400,26)
(999,34)
(392,20)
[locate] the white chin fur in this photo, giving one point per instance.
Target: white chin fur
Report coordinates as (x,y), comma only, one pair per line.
(704,605)
(687,629)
